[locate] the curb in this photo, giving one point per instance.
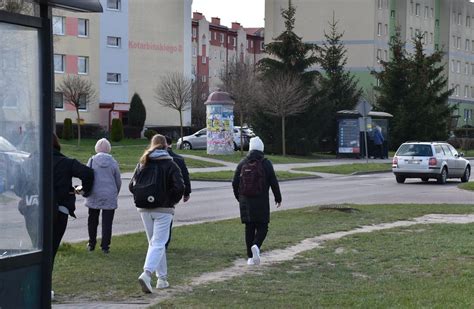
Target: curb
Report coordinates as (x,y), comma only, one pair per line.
(282,180)
(368,173)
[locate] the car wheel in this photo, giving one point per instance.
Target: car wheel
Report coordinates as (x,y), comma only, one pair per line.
(424,179)
(467,174)
(443,176)
(186,146)
(400,179)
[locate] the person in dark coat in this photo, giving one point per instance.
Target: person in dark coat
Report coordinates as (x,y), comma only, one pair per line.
(255,210)
(64,198)
(179,160)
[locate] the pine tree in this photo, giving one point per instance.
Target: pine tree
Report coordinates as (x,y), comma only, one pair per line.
(338,88)
(137,112)
(414,89)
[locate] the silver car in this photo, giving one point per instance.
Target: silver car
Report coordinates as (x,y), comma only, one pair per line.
(198,140)
(427,160)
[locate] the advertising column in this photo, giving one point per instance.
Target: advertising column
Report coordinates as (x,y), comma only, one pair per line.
(220,124)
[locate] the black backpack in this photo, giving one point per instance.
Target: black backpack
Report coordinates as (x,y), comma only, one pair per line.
(146,185)
(252,178)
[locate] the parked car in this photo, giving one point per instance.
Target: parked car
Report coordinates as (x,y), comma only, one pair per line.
(427,160)
(198,140)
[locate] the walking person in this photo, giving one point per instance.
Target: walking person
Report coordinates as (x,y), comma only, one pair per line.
(179,160)
(378,142)
(157,186)
(107,183)
(252,180)
(64,194)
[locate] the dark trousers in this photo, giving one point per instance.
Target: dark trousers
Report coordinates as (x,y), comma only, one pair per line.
(93,222)
(59,227)
(379,151)
(255,234)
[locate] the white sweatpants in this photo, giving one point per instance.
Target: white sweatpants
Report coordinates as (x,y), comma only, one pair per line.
(157,228)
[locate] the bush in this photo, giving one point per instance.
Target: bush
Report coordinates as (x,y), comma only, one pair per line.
(464,132)
(67,133)
(87,130)
(132,132)
(137,112)
(116,134)
(462,143)
(150,133)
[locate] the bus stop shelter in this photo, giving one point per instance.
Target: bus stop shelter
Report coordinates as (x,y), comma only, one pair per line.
(26,126)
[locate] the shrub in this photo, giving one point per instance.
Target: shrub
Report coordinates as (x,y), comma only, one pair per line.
(68,134)
(462,143)
(137,112)
(150,133)
(116,133)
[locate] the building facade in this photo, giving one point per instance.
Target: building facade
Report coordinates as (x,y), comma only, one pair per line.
(369,24)
(215,45)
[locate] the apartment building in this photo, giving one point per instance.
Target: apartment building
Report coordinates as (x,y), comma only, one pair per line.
(126,49)
(215,45)
(369,24)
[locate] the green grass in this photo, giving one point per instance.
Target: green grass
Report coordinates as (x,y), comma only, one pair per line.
(347,169)
(468,153)
(87,276)
(229,175)
(276,159)
(127,153)
(467,186)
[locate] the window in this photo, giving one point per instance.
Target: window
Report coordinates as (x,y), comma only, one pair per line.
(417,9)
(262,45)
(459,18)
(431,37)
(411,32)
(467,114)
(251,44)
(113,5)
(58,25)
(82,102)
(425,37)
(453,65)
(468,21)
(203,60)
(454,41)
(83,65)
(458,67)
(379,29)
(221,36)
(385,56)
(411,7)
(437,23)
(58,100)
(466,91)
(432,13)
(459,42)
(456,91)
(82,27)
(113,78)
(472,46)
(386,29)
(466,68)
(467,46)
(379,4)
(472,92)
(472,68)
(193,70)
(194,51)
(194,32)
(215,36)
(114,41)
(392,13)
(379,55)
(59,64)
(204,78)
(454,17)
(425,12)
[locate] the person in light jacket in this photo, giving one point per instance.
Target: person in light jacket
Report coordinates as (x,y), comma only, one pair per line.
(107,183)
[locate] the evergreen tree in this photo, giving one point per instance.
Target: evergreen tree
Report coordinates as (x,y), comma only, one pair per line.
(137,112)
(413,88)
(288,54)
(338,89)
(116,134)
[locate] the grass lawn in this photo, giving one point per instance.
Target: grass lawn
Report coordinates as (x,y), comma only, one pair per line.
(276,159)
(467,186)
(348,168)
(468,153)
(126,152)
(406,265)
(229,175)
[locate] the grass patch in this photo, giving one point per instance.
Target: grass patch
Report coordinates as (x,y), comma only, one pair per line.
(348,169)
(276,159)
(467,186)
(229,175)
(195,249)
(414,267)
(127,153)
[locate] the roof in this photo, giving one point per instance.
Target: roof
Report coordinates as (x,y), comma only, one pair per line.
(219,97)
(371,114)
(253,31)
(92,6)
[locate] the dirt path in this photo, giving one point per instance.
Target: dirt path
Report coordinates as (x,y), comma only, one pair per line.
(240,267)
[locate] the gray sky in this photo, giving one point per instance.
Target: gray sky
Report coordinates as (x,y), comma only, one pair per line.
(249,13)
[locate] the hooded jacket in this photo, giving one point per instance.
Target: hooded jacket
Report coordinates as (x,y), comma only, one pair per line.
(256,209)
(64,169)
(107,182)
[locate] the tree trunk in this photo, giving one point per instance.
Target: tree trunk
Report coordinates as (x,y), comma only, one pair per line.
(241,133)
(181,123)
(283,140)
(78,128)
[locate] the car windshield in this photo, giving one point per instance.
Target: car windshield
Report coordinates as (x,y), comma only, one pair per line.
(415,150)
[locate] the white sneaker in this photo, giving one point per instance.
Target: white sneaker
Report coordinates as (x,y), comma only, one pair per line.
(162,284)
(250,262)
(145,282)
(255,254)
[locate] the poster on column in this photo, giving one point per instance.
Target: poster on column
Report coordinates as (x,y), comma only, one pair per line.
(220,127)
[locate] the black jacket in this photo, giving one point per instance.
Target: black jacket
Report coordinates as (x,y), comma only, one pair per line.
(171,177)
(257,209)
(179,160)
(64,169)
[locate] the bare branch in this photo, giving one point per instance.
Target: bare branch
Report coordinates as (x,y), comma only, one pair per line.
(174,91)
(76,89)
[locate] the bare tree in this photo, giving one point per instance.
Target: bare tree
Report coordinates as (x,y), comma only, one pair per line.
(284,95)
(175,91)
(198,109)
(240,81)
(78,92)
(16,6)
